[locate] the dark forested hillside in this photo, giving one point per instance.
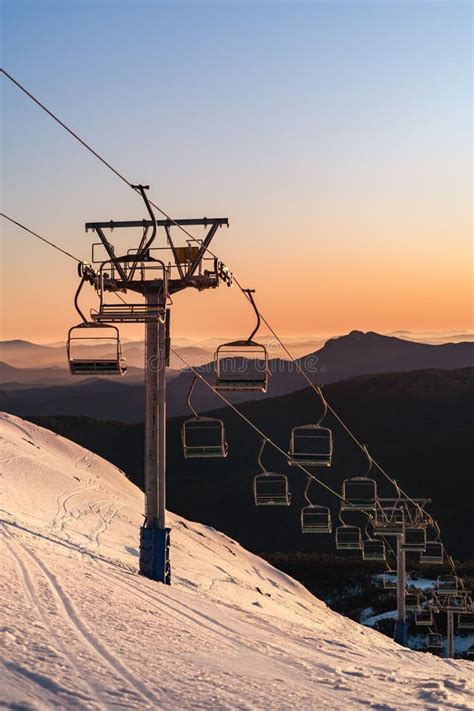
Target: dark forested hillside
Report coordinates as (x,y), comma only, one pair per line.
(417,424)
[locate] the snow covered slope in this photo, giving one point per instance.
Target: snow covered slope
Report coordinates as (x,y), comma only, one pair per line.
(80,629)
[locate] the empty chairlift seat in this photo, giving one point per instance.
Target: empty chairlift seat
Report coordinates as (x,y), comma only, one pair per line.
(310,445)
(433,553)
(457,602)
(424,617)
(388,521)
(316,519)
(390,580)
(348,538)
(241,366)
(95,350)
(466,620)
(447,584)
(373,549)
(359,494)
(414,539)
(434,641)
(271,489)
(203,437)
(412,601)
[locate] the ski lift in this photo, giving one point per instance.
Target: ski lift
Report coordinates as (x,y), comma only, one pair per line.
(242,366)
(315,518)
(455,602)
(414,539)
(311,445)
(359,494)
(433,553)
(348,538)
(390,580)
(447,584)
(202,437)
(270,488)
(424,617)
(81,338)
(412,601)
(373,549)
(434,641)
(388,521)
(466,620)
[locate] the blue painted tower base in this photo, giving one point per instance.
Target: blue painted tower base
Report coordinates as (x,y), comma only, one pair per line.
(401,633)
(155,554)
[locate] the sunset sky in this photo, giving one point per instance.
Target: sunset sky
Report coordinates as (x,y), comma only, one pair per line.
(336,136)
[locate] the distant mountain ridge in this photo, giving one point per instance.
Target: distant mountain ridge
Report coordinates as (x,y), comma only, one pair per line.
(354,354)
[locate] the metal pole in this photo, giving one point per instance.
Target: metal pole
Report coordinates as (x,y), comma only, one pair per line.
(161,425)
(401,632)
(154,536)
(151,419)
(450,635)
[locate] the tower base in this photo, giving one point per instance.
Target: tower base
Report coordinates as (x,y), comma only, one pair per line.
(155,554)
(401,633)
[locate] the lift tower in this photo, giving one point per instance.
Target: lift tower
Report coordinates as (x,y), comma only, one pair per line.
(154,273)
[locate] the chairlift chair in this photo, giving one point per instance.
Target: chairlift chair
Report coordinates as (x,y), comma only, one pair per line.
(271,489)
(348,538)
(434,641)
(466,620)
(447,584)
(388,521)
(242,366)
(84,337)
(455,602)
(310,445)
(414,539)
(316,519)
(202,437)
(359,494)
(412,601)
(424,617)
(373,549)
(390,580)
(433,553)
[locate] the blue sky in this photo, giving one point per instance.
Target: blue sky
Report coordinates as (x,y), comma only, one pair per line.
(333,134)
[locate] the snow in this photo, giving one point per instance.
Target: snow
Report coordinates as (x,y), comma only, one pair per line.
(370,620)
(80,629)
(417,583)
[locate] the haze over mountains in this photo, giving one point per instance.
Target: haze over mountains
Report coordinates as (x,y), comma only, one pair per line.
(52,392)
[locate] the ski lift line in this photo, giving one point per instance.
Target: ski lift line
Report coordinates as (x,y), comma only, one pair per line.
(362,446)
(94,153)
(63,125)
(135,188)
(43,239)
(252,425)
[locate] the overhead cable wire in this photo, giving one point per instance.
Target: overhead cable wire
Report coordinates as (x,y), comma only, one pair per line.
(91,150)
(43,239)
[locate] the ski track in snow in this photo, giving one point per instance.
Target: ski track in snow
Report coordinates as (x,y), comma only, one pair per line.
(81,630)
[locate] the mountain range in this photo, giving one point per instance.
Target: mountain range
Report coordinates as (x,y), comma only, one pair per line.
(340,358)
